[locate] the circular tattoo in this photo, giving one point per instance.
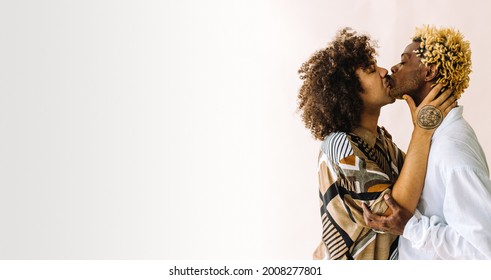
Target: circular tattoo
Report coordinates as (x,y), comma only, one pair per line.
(429,117)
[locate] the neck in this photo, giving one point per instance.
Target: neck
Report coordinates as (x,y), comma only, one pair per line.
(420,96)
(369,120)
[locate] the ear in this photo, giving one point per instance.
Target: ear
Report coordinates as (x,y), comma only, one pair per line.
(431,72)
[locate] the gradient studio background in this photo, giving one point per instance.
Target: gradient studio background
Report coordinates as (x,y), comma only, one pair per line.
(168,129)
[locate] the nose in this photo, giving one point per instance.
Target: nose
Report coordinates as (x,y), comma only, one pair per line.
(394,69)
(382,71)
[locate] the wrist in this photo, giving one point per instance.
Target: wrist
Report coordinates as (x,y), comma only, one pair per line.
(423,134)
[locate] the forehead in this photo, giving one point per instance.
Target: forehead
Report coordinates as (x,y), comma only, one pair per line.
(409,50)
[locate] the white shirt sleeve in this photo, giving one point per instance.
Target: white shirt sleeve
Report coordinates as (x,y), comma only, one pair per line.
(465,230)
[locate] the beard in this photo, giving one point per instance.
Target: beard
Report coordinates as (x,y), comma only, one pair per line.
(410,87)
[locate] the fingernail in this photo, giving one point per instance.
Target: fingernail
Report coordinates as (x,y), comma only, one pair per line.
(404,97)
(386,196)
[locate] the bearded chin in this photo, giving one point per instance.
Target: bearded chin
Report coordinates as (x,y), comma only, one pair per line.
(396,93)
(410,88)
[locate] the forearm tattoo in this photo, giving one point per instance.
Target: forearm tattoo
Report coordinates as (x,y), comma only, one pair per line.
(429,117)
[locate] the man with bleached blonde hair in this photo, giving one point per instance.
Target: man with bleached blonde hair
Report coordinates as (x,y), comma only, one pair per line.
(453,217)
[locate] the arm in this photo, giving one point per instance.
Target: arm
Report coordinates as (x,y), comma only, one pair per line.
(408,187)
(393,223)
(464,234)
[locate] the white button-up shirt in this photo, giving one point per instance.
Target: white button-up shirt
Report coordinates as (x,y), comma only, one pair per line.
(453,219)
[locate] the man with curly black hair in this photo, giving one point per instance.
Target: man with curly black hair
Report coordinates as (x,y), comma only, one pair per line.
(341,97)
(453,217)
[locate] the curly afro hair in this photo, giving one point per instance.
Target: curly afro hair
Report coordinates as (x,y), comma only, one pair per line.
(329,97)
(447,49)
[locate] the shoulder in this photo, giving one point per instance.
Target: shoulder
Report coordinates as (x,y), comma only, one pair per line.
(337,146)
(392,144)
(458,137)
(458,147)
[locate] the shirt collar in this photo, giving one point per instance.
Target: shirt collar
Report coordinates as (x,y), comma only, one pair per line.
(453,115)
(366,135)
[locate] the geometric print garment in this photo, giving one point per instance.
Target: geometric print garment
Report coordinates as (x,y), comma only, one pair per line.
(356,168)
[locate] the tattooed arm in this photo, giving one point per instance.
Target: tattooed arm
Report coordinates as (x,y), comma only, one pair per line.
(426,117)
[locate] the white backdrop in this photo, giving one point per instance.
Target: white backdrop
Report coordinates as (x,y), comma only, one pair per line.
(168,129)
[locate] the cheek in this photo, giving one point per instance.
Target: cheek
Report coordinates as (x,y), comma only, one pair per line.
(404,75)
(402,72)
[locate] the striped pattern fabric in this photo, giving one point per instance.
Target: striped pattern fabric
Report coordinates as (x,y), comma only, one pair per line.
(352,172)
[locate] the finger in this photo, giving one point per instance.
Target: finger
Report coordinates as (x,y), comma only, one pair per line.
(449,108)
(391,202)
(410,102)
(432,94)
(373,220)
(368,215)
(443,97)
(448,102)
(366,210)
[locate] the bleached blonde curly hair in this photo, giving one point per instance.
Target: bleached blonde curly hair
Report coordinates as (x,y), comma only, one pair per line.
(449,52)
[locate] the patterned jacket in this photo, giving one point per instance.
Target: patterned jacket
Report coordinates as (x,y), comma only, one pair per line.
(356,168)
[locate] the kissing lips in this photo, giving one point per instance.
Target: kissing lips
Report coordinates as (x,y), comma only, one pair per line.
(388,82)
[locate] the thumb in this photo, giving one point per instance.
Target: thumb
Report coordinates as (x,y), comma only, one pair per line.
(410,102)
(391,202)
